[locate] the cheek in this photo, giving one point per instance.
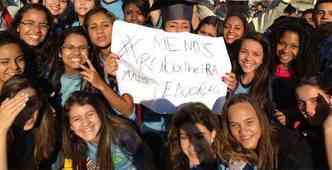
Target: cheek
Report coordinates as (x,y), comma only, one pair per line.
(235,133)
(22,66)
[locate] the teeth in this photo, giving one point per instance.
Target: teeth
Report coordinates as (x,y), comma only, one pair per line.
(35,36)
(78,60)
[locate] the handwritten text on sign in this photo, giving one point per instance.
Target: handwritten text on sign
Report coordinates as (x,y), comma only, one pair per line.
(175,67)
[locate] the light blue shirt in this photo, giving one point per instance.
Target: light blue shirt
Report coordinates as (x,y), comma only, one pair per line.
(69,84)
(114,7)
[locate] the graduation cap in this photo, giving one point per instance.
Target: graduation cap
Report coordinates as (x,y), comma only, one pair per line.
(175,9)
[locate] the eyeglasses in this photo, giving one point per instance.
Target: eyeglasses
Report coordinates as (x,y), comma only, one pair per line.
(72,47)
(32,24)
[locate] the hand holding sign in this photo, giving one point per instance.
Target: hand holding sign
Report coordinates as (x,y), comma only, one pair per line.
(111,64)
(172,67)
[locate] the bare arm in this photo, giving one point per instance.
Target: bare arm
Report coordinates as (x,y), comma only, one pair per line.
(123,104)
(9,109)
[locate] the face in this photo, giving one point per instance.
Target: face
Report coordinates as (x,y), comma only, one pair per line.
(233,29)
(29,124)
(56,7)
(12,61)
(195,141)
(323,13)
(33,27)
(100,30)
(250,56)
(82,7)
(85,123)
(244,125)
(288,47)
(208,30)
(73,52)
(307,99)
(308,17)
(179,25)
(133,14)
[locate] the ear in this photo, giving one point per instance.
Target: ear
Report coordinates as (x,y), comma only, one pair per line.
(213,136)
(18,29)
(29,124)
(329,100)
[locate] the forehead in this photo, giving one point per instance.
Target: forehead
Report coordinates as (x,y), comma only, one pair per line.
(178,21)
(234,20)
(77,109)
(241,111)
(290,34)
(75,38)
(99,17)
(255,45)
(325,6)
(131,6)
(34,13)
(29,91)
(11,50)
(307,91)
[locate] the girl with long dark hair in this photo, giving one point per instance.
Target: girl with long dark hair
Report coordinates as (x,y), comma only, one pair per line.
(94,138)
(28,126)
(248,130)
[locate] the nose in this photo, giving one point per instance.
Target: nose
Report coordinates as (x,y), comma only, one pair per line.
(37,28)
(231,29)
(243,131)
(99,29)
(310,108)
(86,122)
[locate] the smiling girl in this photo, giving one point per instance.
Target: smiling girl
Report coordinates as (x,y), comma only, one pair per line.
(94,138)
(248,130)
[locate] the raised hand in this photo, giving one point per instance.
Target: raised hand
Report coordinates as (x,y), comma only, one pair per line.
(90,74)
(230,80)
(111,64)
(9,110)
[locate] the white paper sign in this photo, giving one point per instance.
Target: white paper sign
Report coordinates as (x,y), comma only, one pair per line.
(164,70)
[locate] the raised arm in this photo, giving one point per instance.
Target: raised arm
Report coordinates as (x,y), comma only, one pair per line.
(9,109)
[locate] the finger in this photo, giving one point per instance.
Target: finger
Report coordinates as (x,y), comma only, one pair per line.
(112,55)
(85,68)
(89,62)
(16,100)
(85,74)
(5,101)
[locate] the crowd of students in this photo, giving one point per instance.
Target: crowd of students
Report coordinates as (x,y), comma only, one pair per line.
(61,108)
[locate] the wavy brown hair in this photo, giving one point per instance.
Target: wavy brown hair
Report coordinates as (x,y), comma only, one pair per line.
(114,130)
(194,113)
(266,153)
(44,131)
(259,88)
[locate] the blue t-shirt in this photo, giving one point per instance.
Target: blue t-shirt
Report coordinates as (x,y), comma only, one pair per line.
(69,84)
(114,7)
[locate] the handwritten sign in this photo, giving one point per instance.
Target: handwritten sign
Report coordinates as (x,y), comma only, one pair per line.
(164,70)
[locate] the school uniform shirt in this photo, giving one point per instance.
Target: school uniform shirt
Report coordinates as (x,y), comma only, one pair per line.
(115,7)
(69,84)
(121,158)
(294,151)
(221,165)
